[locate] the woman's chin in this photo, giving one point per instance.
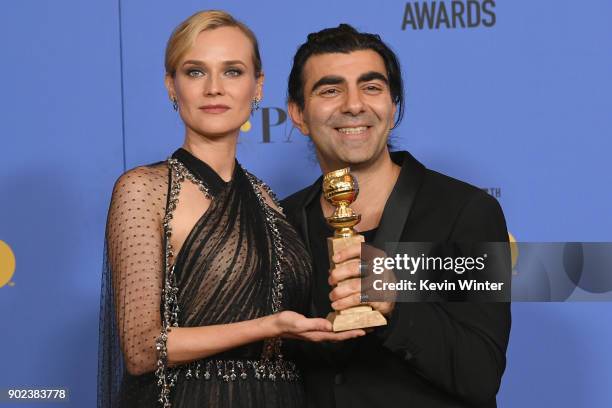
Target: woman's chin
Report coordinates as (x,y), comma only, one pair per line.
(215,132)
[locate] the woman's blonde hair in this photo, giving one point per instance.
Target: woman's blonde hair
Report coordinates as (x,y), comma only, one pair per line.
(183,36)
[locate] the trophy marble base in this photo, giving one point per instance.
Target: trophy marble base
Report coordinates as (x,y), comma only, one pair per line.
(356,317)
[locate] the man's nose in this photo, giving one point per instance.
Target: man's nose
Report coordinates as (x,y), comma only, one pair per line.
(353,102)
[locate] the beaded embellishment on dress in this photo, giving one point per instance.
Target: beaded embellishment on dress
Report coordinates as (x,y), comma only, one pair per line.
(271,365)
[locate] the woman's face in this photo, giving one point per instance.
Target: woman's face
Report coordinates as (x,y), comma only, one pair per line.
(215,82)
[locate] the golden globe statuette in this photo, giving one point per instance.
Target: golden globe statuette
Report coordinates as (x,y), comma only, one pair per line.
(340,189)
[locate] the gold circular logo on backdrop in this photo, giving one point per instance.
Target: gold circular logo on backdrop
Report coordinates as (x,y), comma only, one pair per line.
(7,264)
(246,126)
(514,252)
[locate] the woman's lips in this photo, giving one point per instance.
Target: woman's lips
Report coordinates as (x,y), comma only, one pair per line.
(214,109)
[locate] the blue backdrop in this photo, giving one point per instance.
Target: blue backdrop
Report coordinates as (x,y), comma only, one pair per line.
(512,96)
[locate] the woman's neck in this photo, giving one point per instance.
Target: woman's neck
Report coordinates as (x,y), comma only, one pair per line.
(218,152)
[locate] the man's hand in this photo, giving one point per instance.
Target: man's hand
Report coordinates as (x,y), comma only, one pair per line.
(346,278)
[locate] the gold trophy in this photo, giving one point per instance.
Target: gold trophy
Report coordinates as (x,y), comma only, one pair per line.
(340,189)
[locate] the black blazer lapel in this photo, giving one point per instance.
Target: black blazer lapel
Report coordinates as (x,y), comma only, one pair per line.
(401,199)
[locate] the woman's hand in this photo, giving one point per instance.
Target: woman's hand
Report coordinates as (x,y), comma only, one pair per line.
(293,325)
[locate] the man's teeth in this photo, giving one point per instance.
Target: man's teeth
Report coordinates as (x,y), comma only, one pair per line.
(352,130)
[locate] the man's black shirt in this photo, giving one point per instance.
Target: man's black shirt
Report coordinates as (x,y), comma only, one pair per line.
(430,354)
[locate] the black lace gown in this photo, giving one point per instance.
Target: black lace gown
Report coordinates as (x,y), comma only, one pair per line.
(229,269)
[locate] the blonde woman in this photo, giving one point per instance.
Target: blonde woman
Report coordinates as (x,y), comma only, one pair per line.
(204,277)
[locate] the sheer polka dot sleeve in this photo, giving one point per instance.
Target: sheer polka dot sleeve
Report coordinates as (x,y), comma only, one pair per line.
(135,260)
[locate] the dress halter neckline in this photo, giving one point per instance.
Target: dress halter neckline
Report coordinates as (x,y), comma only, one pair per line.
(203,171)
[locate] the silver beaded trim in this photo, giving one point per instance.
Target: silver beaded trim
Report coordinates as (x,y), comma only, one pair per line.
(272,347)
(166,377)
(233,370)
(277,287)
(271,365)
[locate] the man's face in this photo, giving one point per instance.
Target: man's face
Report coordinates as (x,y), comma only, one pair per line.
(348,110)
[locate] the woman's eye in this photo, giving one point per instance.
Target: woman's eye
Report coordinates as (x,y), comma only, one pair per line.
(233,72)
(195,73)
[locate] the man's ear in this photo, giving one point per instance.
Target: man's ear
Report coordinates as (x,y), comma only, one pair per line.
(169,82)
(393,116)
(297,117)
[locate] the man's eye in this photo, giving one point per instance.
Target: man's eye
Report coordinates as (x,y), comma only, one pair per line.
(329,92)
(373,88)
(195,73)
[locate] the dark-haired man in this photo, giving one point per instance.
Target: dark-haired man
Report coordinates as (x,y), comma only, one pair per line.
(345,93)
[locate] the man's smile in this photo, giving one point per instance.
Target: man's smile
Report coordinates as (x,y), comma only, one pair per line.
(353,130)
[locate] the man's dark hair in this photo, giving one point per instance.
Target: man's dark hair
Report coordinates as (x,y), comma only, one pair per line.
(345,39)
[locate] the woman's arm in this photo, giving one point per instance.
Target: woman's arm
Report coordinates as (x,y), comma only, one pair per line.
(187,344)
(135,252)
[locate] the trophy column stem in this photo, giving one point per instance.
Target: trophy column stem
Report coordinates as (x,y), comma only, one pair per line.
(356,317)
(340,189)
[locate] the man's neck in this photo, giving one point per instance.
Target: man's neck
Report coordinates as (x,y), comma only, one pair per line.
(376,182)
